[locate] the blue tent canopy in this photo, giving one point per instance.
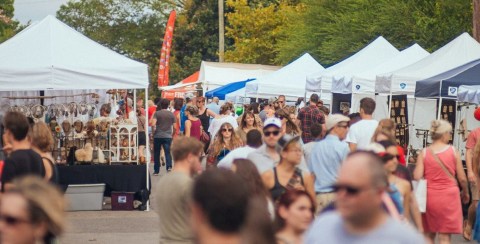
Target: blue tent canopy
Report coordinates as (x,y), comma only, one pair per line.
(220,92)
(446,84)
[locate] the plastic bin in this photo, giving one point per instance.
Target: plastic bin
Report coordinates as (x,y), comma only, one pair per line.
(85,197)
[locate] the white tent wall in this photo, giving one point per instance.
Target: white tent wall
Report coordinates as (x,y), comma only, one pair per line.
(464,113)
(338,77)
(461,50)
(364,82)
(424,111)
(289,80)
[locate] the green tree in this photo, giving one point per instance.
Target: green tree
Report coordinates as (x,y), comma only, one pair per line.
(255,27)
(195,37)
(332,30)
(7,25)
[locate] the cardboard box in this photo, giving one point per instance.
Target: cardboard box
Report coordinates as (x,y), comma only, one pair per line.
(85,197)
(122,200)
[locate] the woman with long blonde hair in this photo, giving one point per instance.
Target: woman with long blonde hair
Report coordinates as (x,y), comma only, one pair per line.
(386,131)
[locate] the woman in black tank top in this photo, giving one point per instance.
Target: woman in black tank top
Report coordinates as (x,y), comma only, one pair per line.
(204,113)
(286,175)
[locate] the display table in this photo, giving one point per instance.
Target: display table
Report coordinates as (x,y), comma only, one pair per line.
(123,178)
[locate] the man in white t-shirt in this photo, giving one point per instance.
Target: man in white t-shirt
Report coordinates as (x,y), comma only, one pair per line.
(360,134)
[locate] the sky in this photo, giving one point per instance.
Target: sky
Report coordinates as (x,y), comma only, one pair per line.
(35,10)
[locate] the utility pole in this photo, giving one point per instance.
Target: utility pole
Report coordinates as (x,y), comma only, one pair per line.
(476,20)
(221,32)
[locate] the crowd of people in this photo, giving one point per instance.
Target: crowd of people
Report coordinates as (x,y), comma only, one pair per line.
(301,175)
(273,173)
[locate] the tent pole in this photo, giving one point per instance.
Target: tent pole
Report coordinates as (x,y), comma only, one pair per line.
(390,105)
(147,145)
(439,112)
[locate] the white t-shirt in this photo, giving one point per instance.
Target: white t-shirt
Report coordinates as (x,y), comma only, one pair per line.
(361,133)
(241,152)
(216,123)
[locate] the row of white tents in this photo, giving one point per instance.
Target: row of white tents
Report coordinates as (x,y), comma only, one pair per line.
(379,71)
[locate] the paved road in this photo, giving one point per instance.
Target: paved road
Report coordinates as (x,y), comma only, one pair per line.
(123,227)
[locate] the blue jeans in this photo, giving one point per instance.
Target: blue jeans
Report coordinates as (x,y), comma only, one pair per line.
(158,143)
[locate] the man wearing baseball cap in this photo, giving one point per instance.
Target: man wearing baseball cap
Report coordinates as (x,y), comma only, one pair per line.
(267,156)
(326,157)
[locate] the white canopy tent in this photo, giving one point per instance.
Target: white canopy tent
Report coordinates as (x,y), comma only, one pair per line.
(50,55)
(289,80)
(53,57)
(469,94)
(213,74)
(461,50)
(337,78)
(364,82)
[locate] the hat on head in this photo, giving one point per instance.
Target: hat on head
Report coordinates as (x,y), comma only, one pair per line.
(285,140)
(334,119)
(189,96)
(272,121)
(272,100)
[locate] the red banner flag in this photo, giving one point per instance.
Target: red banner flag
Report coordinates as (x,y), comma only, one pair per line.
(164,64)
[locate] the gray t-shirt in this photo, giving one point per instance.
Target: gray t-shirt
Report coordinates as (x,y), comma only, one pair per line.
(328,228)
(165,120)
(173,195)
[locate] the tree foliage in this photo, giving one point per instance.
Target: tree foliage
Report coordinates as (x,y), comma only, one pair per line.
(7,25)
(255,27)
(195,37)
(332,30)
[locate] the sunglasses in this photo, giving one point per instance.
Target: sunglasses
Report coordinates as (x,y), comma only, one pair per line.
(200,101)
(12,221)
(280,101)
(225,130)
(350,190)
(388,156)
(268,133)
(279,116)
(343,126)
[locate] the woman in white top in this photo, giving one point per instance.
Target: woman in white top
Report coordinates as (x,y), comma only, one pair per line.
(225,116)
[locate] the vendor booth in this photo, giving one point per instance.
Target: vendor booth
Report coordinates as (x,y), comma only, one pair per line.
(289,80)
(337,79)
(58,66)
(459,51)
(444,88)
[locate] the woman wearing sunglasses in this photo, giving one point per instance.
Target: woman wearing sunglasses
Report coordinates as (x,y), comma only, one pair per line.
(225,141)
(441,166)
(295,211)
(32,211)
(247,123)
(224,117)
(400,189)
(386,131)
(287,174)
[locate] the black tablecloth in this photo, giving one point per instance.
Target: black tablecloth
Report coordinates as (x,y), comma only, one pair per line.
(125,178)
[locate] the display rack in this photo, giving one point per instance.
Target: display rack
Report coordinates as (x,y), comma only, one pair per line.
(123,143)
(399,114)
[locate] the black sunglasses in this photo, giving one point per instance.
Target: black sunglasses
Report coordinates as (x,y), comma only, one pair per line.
(268,133)
(10,220)
(388,156)
(225,130)
(350,190)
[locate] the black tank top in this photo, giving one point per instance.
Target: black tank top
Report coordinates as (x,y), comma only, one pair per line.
(205,119)
(278,189)
(54,178)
